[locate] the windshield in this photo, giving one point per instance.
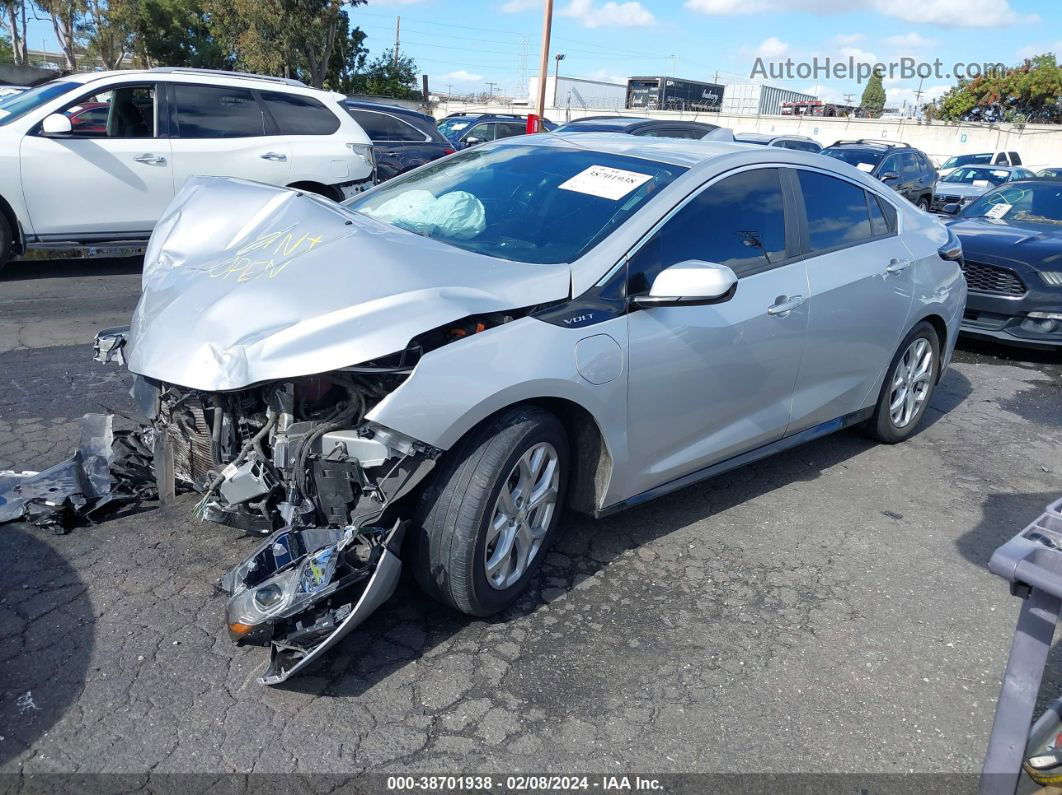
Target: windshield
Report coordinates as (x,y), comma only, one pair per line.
(535,204)
(1039,203)
(863,159)
(978,177)
(19,105)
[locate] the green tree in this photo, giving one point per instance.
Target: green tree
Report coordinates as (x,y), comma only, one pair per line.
(68,20)
(289,38)
(387,76)
(348,58)
(14,42)
(1031,92)
(108,29)
(873,101)
(176,33)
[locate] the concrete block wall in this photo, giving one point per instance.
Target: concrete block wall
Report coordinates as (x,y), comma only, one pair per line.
(1038,145)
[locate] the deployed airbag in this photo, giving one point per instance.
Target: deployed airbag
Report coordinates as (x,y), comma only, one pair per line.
(457,214)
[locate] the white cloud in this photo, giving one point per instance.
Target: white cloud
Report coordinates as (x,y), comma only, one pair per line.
(609,14)
(727,7)
(858,55)
(960,13)
(461,76)
(957,13)
(605,76)
(848,39)
(771,47)
(515,6)
(910,41)
(897,95)
(1030,50)
(825,93)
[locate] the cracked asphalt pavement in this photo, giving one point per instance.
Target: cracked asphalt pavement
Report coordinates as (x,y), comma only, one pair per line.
(828,609)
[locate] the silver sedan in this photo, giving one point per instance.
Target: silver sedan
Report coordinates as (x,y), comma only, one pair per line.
(437,369)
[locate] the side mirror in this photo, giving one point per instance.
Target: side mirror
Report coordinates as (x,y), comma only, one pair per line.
(690,283)
(889,176)
(473,140)
(952,208)
(56,124)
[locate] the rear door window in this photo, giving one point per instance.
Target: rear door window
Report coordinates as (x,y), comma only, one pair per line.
(836,211)
(298,115)
(217,112)
(484,131)
(507,129)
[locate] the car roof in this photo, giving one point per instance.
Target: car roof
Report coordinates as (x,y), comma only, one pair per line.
(384,107)
(676,151)
(189,74)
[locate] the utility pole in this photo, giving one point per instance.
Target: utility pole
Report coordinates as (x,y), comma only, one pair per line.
(543,66)
(398,26)
(918,96)
(556,73)
(491,95)
(674,68)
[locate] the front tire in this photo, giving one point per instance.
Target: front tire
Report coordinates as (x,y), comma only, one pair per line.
(908,386)
(491,510)
(923,204)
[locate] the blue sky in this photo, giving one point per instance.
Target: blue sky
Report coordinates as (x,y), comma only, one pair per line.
(464,44)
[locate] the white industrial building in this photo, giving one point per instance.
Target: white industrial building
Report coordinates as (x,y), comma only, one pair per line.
(756,99)
(739,98)
(579,94)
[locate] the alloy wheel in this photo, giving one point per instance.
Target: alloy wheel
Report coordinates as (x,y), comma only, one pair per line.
(522,515)
(911,382)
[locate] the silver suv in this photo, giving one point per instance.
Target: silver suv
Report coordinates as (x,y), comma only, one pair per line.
(457,355)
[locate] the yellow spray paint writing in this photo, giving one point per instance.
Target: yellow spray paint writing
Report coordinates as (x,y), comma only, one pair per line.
(275,251)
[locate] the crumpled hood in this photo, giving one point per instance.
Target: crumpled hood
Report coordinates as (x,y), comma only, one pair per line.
(245,283)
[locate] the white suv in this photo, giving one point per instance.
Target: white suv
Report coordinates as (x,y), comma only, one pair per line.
(96,157)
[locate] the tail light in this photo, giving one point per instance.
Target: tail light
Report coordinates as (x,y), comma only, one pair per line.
(449,151)
(951,250)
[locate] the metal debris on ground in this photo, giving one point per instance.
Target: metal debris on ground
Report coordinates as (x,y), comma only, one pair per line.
(108,471)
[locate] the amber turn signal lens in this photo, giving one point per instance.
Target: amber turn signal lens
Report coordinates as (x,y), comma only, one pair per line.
(240,629)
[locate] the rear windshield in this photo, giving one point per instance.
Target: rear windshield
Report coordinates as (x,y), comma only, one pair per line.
(863,159)
(535,204)
(19,105)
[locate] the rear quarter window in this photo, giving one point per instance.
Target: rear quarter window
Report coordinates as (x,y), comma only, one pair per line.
(294,114)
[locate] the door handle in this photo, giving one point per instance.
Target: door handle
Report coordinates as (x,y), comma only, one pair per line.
(785,305)
(897,266)
(279,157)
(149,159)
(392,154)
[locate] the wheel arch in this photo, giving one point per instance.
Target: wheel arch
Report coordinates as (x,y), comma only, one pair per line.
(329,191)
(591,458)
(940,326)
(18,241)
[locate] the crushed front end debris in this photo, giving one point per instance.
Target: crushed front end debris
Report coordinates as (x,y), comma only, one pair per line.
(108,471)
(296,461)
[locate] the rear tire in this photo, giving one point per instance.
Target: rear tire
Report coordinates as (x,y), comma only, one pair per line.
(473,547)
(908,387)
(7,242)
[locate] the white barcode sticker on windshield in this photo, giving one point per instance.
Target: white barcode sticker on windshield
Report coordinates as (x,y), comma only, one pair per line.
(867,167)
(998,210)
(605,182)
